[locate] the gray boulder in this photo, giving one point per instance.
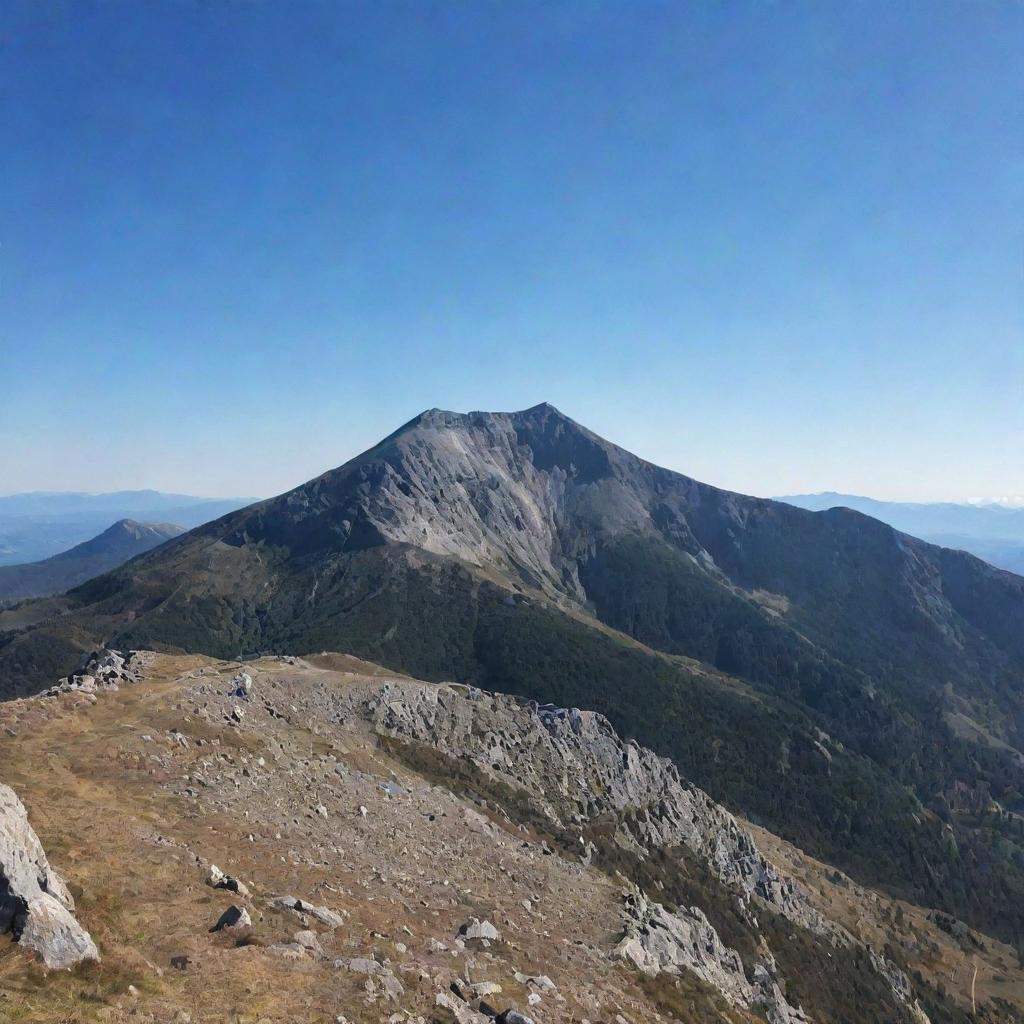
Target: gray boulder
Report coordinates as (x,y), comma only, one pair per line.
(36,908)
(233,919)
(303,907)
(474,928)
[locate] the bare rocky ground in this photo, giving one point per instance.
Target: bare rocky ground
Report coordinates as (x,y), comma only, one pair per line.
(326,801)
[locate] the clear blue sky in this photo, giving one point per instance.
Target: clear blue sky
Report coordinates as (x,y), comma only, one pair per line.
(774,245)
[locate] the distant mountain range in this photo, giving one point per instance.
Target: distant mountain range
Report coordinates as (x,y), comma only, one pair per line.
(851,687)
(113,547)
(40,524)
(993,531)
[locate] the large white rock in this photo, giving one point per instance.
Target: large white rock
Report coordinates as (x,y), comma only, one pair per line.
(35,905)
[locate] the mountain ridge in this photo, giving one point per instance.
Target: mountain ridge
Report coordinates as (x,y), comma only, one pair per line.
(37,525)
(119,542)
(991,531)
(850,685)
(424,839)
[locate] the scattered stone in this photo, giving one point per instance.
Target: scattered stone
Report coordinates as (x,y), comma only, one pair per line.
(98,670)
(308,940)
(216,879)
(485,988)
(288,950)
(459,1012)
(361,965)
(541,981)
(241,686)
(373,969)
(322,914)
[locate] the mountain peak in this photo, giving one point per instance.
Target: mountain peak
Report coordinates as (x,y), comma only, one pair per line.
(136,530)
(115,545)
(435,414)
(522,549)
(542,409)
(123,526)
(541,415)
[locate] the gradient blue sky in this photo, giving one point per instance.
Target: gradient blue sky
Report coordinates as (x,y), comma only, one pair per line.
(774,245)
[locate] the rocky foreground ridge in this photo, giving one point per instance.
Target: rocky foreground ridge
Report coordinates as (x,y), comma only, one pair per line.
(317,840)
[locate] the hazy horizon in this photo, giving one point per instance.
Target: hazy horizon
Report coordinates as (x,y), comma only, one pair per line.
(1001,500)
(1011,501)
(775,247)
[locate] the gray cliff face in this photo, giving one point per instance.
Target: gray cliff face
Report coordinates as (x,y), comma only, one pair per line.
(579,770)
(531,493)
(658,941)
(35,905)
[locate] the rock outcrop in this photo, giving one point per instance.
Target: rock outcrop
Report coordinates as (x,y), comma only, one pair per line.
(658,940)
(36,908)
(578,771)
(99,670)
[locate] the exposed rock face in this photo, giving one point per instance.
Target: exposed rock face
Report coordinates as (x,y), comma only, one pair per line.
(657,940)
(578,769)
(35,905)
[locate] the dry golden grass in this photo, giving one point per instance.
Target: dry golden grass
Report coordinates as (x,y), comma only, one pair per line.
(82,773)
(106,812)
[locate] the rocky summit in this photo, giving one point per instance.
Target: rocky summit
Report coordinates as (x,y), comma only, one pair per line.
(318,839)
